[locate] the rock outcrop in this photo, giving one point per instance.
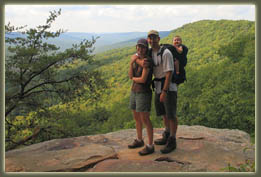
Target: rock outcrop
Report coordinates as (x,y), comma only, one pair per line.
(199,149)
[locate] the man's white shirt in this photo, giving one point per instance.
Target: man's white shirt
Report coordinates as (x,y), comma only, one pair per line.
(161,66)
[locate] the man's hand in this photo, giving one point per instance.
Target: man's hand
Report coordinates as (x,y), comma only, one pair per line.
(143,63)
(163,96)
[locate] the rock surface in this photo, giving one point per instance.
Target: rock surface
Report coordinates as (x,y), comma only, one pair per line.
(199,149)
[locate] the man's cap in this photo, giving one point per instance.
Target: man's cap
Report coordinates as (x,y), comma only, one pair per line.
(143,42)
(153,32)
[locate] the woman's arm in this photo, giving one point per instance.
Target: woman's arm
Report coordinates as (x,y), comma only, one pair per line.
(144,76)
(133,59)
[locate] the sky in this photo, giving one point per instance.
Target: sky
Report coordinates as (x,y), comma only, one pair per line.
(124,18)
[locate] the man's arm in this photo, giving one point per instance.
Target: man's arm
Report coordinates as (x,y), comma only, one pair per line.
(143,63)
(168,68)
(144,76)
(166,86)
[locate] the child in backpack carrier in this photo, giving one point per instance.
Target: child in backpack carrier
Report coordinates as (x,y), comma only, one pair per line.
(182,51)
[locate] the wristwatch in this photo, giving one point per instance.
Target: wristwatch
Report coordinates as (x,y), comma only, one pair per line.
(165,90)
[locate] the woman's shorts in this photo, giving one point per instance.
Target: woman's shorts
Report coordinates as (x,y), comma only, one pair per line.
(140,102)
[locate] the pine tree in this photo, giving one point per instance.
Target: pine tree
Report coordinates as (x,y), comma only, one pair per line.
(39,75)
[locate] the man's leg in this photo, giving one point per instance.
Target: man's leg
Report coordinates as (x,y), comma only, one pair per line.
(173,126)
(166,123)
(171,108)
(166,133)
(160,110)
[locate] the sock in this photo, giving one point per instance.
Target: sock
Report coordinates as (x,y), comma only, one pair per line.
(150,146)
(167,129)
(172,134)
(140,140)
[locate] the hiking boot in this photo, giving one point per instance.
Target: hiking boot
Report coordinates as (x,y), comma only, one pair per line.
(170,146)
(136,143)
(147,150)
(163,140)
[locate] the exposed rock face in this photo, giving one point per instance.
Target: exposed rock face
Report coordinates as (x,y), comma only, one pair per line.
(198,149)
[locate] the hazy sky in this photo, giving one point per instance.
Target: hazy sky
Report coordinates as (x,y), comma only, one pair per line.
(124,18)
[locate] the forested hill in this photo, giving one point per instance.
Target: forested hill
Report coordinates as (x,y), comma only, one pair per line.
(219,92)
(204,38)
(220,87)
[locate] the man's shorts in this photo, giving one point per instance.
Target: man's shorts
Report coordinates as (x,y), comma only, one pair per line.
(169,107)
(140,102)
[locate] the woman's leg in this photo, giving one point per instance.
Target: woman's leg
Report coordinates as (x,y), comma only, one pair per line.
(137,118)
(146,120)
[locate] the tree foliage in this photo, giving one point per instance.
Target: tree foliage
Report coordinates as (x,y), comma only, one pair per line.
(39,76)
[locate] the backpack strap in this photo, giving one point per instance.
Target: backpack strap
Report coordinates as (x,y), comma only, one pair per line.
(162,49)
(159,53)
(162,80)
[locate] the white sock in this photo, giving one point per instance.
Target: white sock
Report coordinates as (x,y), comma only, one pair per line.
(140,140)
(167,130)
(150,146)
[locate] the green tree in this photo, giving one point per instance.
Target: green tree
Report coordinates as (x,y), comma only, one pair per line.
(39,76)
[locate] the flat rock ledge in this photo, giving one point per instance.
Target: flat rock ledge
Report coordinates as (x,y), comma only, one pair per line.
(199,149)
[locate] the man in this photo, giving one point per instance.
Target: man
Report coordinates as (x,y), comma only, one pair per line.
(165,91)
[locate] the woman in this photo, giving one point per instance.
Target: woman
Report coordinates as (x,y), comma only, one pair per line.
(140,99)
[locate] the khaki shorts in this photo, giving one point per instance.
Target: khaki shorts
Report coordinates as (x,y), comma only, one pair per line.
(169,107)
(140,102)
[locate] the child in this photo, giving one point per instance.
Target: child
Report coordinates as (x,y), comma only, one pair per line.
(182,51)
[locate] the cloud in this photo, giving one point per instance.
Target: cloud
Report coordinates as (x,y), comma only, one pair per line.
(123,18)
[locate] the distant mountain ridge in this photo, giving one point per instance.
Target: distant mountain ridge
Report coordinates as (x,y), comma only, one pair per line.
(127,43)
(104,42)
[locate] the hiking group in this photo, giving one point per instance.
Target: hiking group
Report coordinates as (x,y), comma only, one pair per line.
(165,64)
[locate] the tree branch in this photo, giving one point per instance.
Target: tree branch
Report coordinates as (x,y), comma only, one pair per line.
(10,110)
(49,82)
(38,73)
(39,91)
(21,142)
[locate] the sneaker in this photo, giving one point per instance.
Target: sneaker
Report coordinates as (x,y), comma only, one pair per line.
(170,146)
(147,150)
(163,140)
(136,143)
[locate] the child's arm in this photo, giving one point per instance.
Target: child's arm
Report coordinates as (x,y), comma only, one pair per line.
(184,55)
(179,49)
(185,49)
